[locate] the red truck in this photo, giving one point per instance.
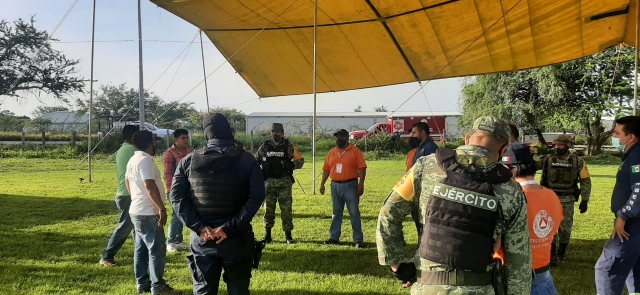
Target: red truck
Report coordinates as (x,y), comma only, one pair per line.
(402,126)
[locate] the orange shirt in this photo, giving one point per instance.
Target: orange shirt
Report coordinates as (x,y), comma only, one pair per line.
(344,164)
(544,216)
(409,161)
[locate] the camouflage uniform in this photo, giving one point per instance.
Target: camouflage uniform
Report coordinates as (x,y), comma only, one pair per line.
(423,176)
(566,187)
(278,190)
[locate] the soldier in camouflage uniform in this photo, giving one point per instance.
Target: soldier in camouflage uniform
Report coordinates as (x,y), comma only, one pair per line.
(469,203)
(562,173)
(278,158)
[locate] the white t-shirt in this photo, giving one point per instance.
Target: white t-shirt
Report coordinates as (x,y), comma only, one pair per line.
(140,168)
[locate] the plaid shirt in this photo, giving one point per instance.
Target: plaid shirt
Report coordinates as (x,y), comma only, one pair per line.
(170,160)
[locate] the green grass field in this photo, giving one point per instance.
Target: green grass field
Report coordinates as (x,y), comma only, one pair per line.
(54,229)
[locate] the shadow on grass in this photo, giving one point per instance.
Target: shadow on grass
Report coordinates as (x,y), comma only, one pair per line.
(21,212)
(345,217)
(576,275)
(326,260)
(603,176)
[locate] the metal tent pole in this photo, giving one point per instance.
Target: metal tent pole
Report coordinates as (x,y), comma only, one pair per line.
(93,43)
(141,90)
(313,128)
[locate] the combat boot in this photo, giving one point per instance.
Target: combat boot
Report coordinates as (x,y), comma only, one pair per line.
(289,238)
(554,256)
(267,235)
(562,252)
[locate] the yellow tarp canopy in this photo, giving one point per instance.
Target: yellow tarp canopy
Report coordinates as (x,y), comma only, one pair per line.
(369,43)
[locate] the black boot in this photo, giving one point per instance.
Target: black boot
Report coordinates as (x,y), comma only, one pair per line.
(554,256)
(267,235)
(289,238)
(562,252)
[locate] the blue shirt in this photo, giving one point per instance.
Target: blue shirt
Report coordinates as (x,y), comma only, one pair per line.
(626,192)
(426,148)
(249,171)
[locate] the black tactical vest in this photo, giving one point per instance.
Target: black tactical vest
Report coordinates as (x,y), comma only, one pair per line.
(561,175)
(276,157)
(461,216)
(215,182)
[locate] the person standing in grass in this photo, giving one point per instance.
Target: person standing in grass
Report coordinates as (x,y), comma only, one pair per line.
(170,161)
(544,212)
(148,215)
(123,199)
(217,191)
(346,166)
(468,202)
(619,262)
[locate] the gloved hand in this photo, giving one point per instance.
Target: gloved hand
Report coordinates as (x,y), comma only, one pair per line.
(289,165)
(406,273)
(584,205)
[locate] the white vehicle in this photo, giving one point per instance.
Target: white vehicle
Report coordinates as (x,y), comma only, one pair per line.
(157,132)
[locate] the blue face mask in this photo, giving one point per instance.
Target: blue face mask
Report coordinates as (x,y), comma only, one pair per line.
(616,143)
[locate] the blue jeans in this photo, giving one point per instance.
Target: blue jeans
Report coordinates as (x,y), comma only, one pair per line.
(542,284)
(341,194)
(619,263)
(175,229)
(122,230)
(150,252)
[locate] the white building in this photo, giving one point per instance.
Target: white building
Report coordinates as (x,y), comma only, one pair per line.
(64,121)
(328,122)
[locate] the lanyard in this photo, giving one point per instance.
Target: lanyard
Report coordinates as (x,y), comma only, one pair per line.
(528,182)
(340,155)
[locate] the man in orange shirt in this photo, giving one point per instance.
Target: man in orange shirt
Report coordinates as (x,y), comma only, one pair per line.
(345,164)
(544,215)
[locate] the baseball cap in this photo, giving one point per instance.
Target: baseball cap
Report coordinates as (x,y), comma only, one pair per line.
(493,125)
(517,153)
(341,132)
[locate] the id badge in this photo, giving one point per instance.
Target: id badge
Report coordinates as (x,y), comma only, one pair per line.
(339,168)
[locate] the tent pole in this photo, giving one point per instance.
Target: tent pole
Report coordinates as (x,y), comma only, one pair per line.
(313,128)
(204,72)
(635,53)
(93,43)
(141,90)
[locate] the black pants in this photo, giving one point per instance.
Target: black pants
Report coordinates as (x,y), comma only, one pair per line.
(233,255)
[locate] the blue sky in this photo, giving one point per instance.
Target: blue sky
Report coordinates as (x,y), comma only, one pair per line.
(117,62)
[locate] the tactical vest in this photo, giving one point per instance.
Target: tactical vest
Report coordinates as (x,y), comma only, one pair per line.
(461,216)
(561,175)
(216,186)
(276,157)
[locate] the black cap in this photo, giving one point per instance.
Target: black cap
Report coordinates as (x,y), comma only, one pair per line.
(216,126)
(517,153)
(342,132)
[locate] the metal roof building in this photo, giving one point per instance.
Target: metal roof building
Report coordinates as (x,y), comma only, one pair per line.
(67,121)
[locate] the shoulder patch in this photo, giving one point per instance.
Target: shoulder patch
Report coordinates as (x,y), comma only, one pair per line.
(405,187)
(635,168)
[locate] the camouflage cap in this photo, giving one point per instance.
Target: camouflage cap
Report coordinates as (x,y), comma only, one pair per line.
(564,139)
(277,127)
(493,125)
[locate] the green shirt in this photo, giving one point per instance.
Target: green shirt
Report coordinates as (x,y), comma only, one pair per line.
(122,158)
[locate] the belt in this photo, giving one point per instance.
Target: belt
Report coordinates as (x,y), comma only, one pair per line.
(455,278)
(541,270)
(344,181)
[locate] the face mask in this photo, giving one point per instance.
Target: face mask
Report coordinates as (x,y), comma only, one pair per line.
(341,142)
(616,142)
(562,151)
(277,138)
(414,142)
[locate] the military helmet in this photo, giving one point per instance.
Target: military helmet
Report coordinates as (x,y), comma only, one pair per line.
(564,139)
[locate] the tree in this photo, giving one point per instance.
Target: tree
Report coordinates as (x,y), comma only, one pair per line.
(9,122)
(237,119)
(29,64)
(41,110)
(41,125)
(380,109)
(117,101)
(571,97)
(358,109)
